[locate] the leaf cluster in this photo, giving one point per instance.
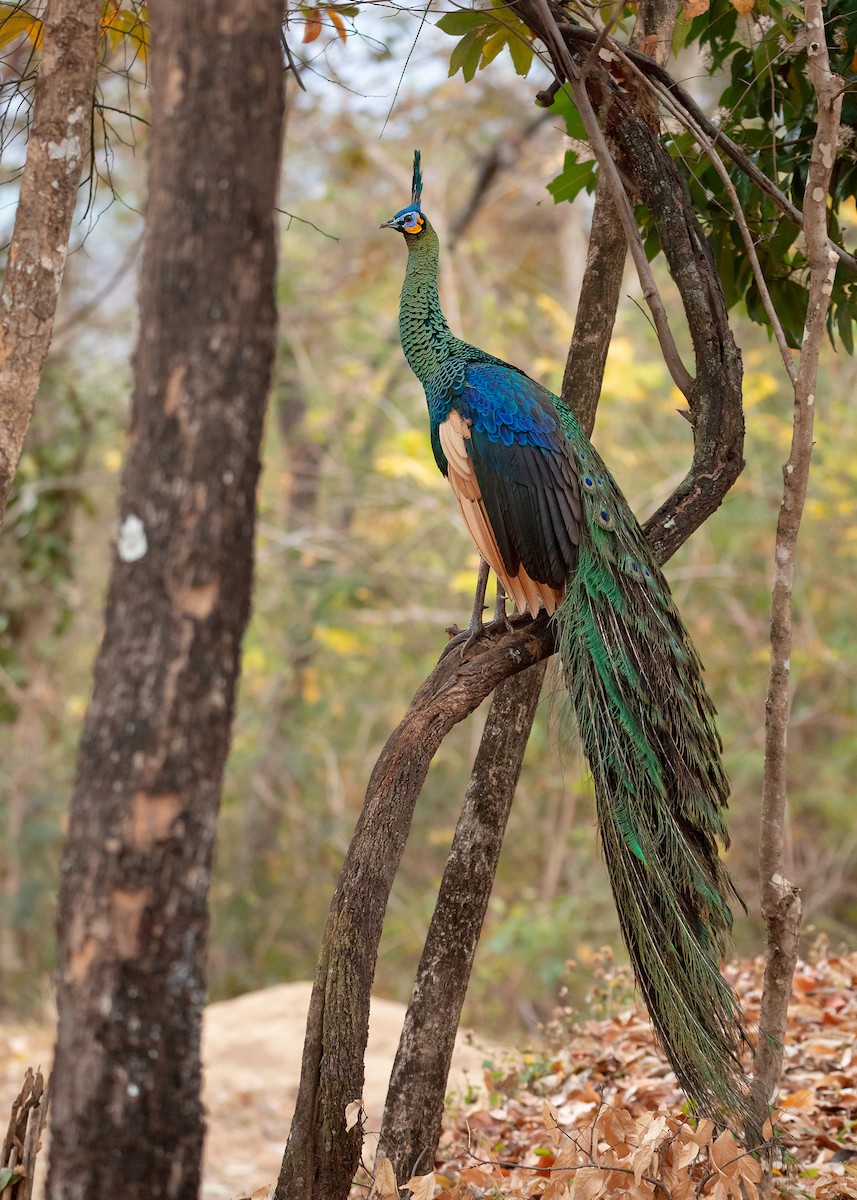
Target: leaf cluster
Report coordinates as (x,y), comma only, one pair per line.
(483,34)
(118,24)
(767,105)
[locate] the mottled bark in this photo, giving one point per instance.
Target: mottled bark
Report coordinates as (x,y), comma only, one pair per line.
(127,1117)
(781,905)
(596,311)
(414,1107)
(605,260)
(321,1158)
(58,147)
(714,391)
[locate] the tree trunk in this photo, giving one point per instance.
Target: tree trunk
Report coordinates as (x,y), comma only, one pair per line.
(127,1117)
(59,145)
(321,1157)
(413,1112)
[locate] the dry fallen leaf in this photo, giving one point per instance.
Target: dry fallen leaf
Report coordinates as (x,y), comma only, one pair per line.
(422,1186)
(384,1186)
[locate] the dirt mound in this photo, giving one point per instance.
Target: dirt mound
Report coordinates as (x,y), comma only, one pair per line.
(251,1050)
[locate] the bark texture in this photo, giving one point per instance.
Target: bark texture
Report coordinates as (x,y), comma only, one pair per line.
(781,904)
(414,1109)
(596,311)
(321,1157)
(58,147)
(127,1116)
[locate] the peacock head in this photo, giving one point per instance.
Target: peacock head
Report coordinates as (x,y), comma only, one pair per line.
(410,221)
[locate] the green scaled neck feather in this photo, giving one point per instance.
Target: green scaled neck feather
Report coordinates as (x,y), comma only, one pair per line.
(550,520)
(426,338)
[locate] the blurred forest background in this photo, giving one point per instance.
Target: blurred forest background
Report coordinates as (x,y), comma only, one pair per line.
(363,561)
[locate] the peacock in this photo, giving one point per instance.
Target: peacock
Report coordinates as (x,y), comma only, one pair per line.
(549,519)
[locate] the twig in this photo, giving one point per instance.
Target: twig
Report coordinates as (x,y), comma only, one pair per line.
(290,58)
(601,37)
(500,157)
(590,1166)
(780,899)
(738,214)
(562,58)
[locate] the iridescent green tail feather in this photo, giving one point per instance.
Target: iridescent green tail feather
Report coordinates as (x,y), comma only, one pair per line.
(647,728)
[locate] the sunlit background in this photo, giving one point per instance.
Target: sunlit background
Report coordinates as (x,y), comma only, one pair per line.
(362,558)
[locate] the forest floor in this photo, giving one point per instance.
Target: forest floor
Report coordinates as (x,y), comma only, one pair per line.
(595,1114)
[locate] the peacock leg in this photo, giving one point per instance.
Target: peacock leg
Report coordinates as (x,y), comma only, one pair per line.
(476,628)
(477,625)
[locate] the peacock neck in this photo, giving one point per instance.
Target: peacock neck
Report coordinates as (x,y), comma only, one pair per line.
(426,338)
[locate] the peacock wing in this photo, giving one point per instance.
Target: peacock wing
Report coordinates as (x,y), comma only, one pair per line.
(506,428)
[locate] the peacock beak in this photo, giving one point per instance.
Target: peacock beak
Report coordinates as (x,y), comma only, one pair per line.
(391,224)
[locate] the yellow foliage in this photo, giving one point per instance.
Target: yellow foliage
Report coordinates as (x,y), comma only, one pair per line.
(310,688)
(758,386)
(342,641)
(409,457)
(75,708)
(255,661)
(629,377)
(14,22)
(112,459)
(463,582)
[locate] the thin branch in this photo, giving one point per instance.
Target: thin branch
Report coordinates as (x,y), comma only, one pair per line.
(741,220)
(500,157)
(780,899)
(561,56)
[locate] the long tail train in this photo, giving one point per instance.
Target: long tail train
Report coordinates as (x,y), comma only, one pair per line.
(647,728)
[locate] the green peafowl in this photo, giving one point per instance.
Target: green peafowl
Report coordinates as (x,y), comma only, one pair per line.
(549,519)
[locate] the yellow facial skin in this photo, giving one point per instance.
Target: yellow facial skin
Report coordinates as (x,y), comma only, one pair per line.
(416,227)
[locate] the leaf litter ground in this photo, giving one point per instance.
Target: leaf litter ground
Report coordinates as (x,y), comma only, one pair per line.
(600,1114)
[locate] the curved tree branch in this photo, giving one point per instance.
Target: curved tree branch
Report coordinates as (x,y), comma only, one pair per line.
(321,1158)
(652,68)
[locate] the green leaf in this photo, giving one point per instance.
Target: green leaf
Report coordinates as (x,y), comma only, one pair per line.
(459,23)
(522,54)
(9,1175)
(474,55)
(563,106)
(462,50)
(494,43)
(574,178)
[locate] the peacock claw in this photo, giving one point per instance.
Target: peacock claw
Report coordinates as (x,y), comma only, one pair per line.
(465,638)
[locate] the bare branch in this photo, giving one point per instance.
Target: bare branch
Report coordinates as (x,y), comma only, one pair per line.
(562,59)
(741,220)
(780,899)
(576,33)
